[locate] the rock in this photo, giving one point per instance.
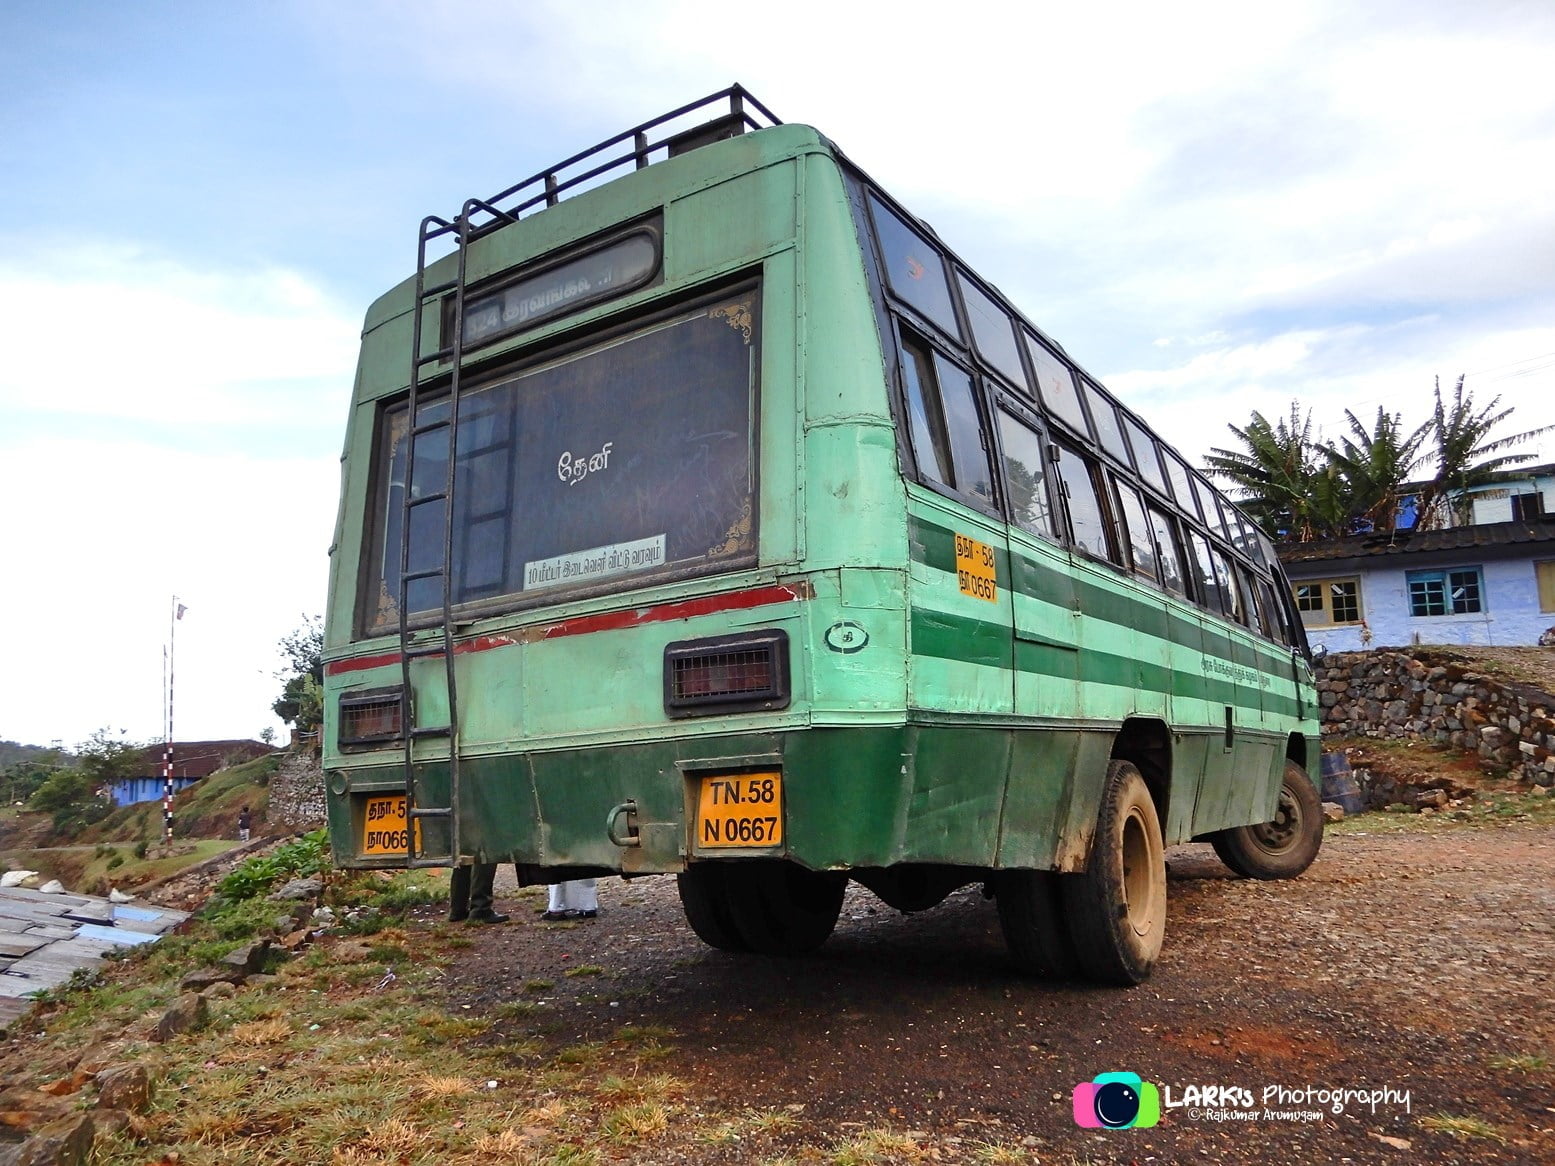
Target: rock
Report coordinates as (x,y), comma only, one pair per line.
(15,878)
(190,1011)
(117,896)
(323,917)
(250,958)
(206,978)
(64,1142)
(284,924)
(52,887)
(221,990)
(298,889)
(110,1123)
(1333,812)
(124,1087)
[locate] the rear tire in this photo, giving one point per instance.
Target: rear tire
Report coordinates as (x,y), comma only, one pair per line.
(1283,848)
(1031,915)
(707,909)
(780,908)
(1117,909)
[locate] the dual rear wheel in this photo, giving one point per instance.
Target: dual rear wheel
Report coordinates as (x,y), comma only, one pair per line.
(1107,923)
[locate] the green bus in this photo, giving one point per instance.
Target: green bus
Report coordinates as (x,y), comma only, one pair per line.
(702,513)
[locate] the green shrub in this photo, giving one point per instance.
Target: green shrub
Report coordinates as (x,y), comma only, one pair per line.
(304,856)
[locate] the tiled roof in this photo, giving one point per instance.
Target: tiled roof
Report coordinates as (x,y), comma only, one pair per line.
(201,758)
(1404,542)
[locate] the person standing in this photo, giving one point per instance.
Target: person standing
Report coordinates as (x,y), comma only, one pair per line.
(245,824)
(574,899)
(470,894)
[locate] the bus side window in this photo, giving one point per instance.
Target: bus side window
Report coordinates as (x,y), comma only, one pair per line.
(1258,613)
(914,268)
(1145,453)
(1087,520)
(1209,589)
(1025,475)
(1168,552)
(1275,615)
(930,441)
(947,437)
(1104,415)
(993,333)
(1055,385)
(1236,604)
(1141,546)
(1182,485)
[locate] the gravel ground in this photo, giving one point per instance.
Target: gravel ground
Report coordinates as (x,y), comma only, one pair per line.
(1406,962)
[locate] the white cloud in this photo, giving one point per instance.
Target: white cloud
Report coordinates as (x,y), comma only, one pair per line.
(108,533)
(114,331)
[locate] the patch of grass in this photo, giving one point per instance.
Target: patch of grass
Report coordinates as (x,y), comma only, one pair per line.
(630,1123)
(585,970)
(1464,1127)
(539,985)
(875,1148)
(1521,1062)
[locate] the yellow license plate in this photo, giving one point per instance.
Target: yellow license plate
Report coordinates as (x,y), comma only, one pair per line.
(741,809)
(383,826)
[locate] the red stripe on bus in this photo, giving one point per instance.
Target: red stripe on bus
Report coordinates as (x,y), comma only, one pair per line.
(608,621)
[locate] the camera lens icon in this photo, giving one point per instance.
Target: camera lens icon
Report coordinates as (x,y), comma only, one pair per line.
(1117,1101)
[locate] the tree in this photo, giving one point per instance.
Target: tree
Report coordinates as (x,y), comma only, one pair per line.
(79,796)
(302,698)
(1300,490)
(1375,464)
(1466,454)
(1278,474)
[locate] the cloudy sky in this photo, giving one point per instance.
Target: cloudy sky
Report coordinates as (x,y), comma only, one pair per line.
(1216,207)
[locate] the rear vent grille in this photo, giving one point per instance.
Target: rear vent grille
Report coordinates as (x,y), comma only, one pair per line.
(726,674)
(370,717)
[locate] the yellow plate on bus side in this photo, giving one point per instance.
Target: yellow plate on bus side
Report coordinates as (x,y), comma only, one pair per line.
(383,826)
(740,809)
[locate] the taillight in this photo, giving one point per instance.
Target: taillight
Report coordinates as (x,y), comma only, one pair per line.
(366,717)
(726,674)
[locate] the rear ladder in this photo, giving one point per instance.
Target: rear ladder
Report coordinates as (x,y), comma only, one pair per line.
(433,414)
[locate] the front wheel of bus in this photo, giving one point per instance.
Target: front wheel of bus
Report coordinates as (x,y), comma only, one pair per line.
(783,909)
(1117,908)
(1285,847)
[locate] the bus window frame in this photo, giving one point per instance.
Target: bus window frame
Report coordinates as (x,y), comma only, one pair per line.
(1097,477)
(991,507)
(1023,414)
(899,304)
(581,338)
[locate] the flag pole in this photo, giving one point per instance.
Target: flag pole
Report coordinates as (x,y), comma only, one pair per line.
(167,739)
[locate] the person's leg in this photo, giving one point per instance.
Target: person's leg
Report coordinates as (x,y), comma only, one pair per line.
(482,876)
(459,894)
(555,902)
(585,899)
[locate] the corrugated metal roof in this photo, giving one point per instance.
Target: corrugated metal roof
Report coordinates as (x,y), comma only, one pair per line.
(1406,542)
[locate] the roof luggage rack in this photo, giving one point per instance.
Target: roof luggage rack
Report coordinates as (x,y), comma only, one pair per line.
(668,135)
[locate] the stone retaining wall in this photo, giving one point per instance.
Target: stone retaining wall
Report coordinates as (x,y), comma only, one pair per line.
(297,792)
(1433,697)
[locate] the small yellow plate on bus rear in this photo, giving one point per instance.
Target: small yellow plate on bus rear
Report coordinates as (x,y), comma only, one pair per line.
(383,826)
(740,809)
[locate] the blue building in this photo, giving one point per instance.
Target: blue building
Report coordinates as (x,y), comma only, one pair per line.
(1491,583)
(193,761)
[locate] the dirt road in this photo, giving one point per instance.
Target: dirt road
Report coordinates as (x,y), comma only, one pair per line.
(1415,962)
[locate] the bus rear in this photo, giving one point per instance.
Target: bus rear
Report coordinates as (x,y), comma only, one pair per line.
(643,565)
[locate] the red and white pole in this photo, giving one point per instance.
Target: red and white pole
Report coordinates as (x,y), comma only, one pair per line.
(167,739)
